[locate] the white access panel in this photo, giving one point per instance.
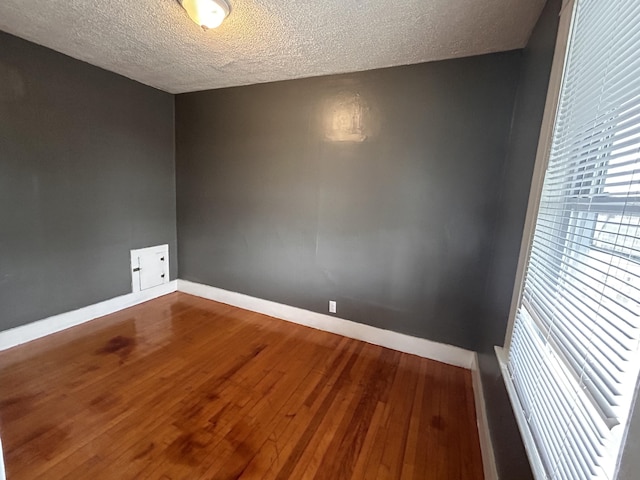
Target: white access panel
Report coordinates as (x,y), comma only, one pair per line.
(149,267)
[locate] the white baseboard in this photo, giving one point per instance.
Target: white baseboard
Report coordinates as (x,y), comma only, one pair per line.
(31,331)
(486,446)
(377,336)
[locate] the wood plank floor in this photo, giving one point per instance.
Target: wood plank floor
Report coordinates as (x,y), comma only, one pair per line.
(185,388)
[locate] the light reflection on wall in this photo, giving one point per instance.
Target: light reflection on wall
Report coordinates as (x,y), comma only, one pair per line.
(345,118)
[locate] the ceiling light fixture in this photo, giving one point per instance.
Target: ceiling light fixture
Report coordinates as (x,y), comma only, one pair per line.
(206,13)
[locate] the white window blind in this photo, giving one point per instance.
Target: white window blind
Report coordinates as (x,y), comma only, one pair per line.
(573,357)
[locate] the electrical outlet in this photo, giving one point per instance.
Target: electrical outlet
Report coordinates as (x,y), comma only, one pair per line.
(332,306)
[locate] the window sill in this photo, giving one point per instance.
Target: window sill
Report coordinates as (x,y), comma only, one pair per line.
(527,437)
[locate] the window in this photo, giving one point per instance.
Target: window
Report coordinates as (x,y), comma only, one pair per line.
(572,359)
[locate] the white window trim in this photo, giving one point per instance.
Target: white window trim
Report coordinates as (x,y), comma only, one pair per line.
(542,157)
(527,438)
(535,194)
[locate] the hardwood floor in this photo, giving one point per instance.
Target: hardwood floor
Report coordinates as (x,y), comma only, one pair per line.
(186,388)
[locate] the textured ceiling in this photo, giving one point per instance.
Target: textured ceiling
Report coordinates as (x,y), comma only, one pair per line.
(154,42)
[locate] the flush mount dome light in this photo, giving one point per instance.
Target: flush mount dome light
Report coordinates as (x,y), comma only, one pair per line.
(206,13)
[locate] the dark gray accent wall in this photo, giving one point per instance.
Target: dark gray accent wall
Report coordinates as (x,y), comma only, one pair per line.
(374,189)
(86,174)
(514,194)
(629,461)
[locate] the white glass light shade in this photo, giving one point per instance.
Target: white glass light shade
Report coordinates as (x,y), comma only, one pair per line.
(206,13)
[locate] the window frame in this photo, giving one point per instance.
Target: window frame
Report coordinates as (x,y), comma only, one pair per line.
(561,53)
(567,17)
(542,158)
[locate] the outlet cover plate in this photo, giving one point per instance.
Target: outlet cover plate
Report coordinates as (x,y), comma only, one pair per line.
(332,306)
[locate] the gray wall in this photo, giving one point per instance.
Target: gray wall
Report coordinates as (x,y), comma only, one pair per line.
(86,174)
(396,227)
(630,460)
(516,181)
